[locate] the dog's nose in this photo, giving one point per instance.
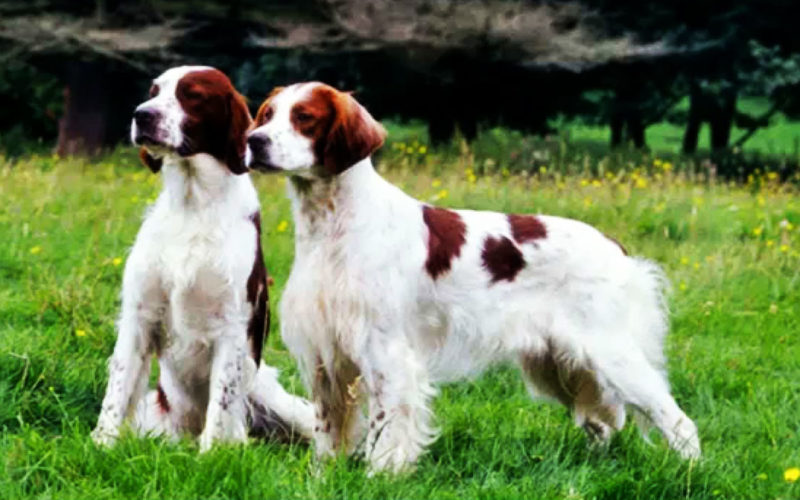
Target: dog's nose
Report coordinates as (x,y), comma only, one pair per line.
(258,142)
(144,117)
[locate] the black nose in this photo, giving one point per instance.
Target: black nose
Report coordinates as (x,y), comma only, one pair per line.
(145,117)
(258,142)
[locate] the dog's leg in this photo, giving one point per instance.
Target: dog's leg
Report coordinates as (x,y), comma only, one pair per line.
(127,370)
(274,412)
(226,412)
(576,388)
(339,422)
(399,413)
(641,385)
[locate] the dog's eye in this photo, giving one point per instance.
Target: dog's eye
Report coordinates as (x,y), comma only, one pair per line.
(153,91)
(267,115)
(303,117)
(193,94)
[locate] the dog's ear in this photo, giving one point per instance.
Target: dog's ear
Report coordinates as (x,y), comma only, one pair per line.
(154,164)
(353,136)
(239,123)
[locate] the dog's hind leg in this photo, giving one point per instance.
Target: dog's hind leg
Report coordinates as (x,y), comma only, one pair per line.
(552,376)
(638,383)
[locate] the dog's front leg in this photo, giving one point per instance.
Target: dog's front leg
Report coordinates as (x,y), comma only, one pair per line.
(399,398)
(127,370)
(226,412)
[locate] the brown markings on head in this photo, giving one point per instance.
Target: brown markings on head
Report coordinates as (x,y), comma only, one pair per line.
(501,258)
(341,130)
(525,228)
(161,399)
(154,164)
(446,235)
(258,298)
(266,110)
(217,118)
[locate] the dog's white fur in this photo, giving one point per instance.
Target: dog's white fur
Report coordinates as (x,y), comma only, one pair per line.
(184,299)
(364,318)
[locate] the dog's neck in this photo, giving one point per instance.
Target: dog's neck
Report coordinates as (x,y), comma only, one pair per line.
(322,205)
(198,181)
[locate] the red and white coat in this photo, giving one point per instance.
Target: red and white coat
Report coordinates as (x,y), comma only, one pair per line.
(194,290)
(389,295)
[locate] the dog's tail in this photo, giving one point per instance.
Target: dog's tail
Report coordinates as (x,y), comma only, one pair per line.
(276,415)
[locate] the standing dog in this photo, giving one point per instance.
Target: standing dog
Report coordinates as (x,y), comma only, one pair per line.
(194,291)
(388,295)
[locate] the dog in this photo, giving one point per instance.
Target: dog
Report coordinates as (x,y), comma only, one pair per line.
(389,295)
(194,290)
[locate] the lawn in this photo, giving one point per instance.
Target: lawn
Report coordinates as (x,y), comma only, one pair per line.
(732,252)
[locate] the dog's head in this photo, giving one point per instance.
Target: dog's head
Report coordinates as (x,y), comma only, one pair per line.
(311,129)
(192,110)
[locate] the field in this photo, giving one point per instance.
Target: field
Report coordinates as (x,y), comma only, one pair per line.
(732,252)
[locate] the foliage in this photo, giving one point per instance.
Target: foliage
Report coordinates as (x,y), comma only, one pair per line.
(731,251)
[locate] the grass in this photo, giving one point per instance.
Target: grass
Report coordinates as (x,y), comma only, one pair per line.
(731,251)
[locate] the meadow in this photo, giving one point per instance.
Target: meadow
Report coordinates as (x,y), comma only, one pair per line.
(731,250)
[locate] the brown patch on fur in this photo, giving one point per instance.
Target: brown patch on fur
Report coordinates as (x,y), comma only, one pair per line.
(161,399)
(338,399)
(526,228)
(342,131)
(446,236)
(574,387)
(258,297)
(217,118)
(501,258)
(154,164)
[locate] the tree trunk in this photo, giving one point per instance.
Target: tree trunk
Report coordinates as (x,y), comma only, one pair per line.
(636,129)
(82,129)
(617,124)
(692,133)
(722,121)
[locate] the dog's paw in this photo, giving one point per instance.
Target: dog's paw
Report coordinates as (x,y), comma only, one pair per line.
(104,437)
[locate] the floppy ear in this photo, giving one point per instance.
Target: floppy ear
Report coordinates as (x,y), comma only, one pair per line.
(152,163)
(354,134)
(237,133)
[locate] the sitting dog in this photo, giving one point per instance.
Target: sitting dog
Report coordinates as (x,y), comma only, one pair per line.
(194,291)
(388,295)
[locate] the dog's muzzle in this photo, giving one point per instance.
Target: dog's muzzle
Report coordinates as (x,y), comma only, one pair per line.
(257,145)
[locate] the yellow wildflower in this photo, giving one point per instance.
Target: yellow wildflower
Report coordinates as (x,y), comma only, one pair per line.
(791,474)
(587,202)
(596,183)
(283,226)
(757,231)
(584,182)
(684,261)
(441,194)
(543,169)
(784,248)
(657,162)
(117,261)
(641,182)
(422,150)
(436,183)
(80,333)
(36,250)
(471,178)
(683,286)
(770,243)
(667,166)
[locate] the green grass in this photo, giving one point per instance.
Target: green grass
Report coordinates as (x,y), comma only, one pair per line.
(730,250)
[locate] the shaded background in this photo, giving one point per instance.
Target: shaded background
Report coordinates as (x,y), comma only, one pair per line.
(72,71)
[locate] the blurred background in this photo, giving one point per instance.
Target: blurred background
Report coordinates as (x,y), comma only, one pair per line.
(699,78)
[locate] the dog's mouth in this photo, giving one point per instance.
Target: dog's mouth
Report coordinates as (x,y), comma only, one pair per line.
(146,139)
(261,163)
